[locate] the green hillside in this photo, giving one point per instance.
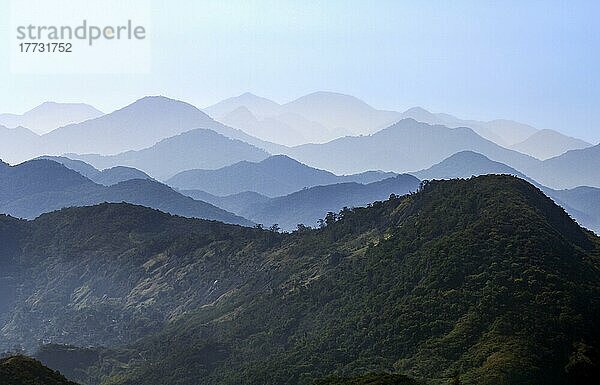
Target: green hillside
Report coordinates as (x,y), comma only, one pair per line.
(21,370)
(485,278)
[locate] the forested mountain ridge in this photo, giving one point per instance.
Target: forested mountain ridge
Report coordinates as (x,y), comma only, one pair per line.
(21,370)
(582,203)
(102,274)
(486,277)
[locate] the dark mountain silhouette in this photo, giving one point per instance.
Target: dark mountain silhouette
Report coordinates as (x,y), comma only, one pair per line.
(403,147)
(50,115)
(274,176)
(107,177)
(40,186)
(483,279)
(198,148)
(39,176)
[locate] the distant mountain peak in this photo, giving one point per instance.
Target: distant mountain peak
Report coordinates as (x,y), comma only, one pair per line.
(280,159)
(412,123)
(161,101)
(158,97)
(331,94)
(465,164)
(417,110)
(257,105)
(50,105)
(468,154)
(249,96)
(331,98)
(406,123)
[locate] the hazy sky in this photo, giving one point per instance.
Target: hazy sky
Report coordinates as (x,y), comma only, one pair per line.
(533,61)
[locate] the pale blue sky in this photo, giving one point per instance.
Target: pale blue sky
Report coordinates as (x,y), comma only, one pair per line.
(533,61)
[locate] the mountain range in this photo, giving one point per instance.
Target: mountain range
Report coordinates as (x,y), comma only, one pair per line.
(247,189)
(541,144)
(403,147)
(485,281)
(153,120)
(266,259)
(309,205)
(324,116)
(134,127)
(274,176)
(39,186)
(198,148)
(502,132)
(410,146)
(316,117)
